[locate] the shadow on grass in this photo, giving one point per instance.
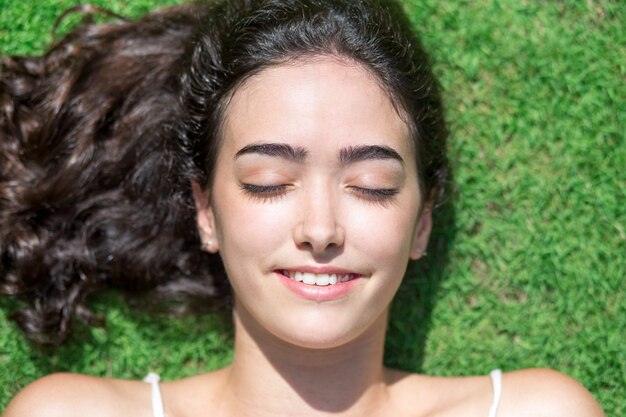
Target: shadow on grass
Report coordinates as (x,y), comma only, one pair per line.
(410,318)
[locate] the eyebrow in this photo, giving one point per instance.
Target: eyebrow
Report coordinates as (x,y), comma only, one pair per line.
(298,154)
(281,150)
(368,152)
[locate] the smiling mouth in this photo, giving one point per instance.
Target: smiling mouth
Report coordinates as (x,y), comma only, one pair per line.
(321,280)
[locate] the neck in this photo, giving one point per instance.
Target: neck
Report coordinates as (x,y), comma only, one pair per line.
(271,377)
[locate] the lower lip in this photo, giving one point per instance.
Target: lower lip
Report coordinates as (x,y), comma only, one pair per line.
(318,292)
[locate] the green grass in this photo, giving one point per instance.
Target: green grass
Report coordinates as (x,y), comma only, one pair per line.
(528,264)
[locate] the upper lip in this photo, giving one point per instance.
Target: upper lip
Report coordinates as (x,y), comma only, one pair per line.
(319,269)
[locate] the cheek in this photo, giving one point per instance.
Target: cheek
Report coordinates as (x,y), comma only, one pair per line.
(249,229)
(383,234)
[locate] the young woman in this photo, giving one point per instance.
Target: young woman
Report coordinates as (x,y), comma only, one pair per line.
(297,147)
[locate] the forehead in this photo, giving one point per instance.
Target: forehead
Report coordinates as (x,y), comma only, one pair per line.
(319,102)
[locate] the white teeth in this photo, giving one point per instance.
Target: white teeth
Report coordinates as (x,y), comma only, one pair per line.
(322,279)
(308,278)
(317,279)
(333,279)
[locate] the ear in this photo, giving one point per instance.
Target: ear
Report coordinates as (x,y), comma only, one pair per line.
(422,233)
(205,219)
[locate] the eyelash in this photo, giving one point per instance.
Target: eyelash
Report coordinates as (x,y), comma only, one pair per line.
(376,195)
(272,192)
(265,192)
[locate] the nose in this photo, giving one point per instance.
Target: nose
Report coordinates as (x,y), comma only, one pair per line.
(318,228)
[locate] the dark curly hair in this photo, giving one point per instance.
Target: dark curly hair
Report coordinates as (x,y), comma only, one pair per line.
(103,135)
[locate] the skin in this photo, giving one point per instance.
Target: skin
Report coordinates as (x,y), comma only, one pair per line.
(295,355)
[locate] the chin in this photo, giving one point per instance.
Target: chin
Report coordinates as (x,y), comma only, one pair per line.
(324,326)
(321,340)
(323,334)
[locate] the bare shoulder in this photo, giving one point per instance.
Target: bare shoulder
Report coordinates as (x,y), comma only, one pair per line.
(546,393)
(68,395)
(525,393)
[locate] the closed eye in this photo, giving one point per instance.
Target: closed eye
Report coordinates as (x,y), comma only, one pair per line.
(265,192)
(379,195)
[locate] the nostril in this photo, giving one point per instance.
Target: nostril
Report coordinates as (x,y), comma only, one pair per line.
(319,229)
(321,244)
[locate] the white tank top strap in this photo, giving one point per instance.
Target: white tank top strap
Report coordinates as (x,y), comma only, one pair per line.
(157,402)
(496,382)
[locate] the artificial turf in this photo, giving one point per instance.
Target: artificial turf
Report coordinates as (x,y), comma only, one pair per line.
(527,266)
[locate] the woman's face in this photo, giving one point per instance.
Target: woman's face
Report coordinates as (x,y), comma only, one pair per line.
(315,200)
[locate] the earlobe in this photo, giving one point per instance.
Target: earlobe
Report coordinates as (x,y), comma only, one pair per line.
(205,219)
(422,234)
